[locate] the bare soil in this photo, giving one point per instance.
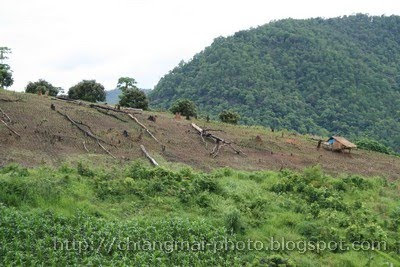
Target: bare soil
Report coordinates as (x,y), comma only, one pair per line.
(48,138)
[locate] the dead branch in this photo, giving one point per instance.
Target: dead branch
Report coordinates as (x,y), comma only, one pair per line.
(145,128)
(124,110)
(132,117)
(84,146)
(5,115)
(10,129)
(153,161)
(88,133)
(219,142)
(78,125)
(10,100)
(108,152)
(110,114)
(66,99)
(213,130)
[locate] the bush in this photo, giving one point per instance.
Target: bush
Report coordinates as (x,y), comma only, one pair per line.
(88,90)
(41,86)
(229,116)
(372,145)
(233,222)
(185,107)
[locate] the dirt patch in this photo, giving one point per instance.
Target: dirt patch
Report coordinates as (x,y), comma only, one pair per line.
(47,137)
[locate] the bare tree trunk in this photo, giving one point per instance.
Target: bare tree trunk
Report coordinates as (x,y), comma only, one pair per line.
(153,161)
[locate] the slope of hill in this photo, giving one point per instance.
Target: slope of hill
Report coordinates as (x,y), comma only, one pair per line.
(73,204)
(337,76)
(49,138)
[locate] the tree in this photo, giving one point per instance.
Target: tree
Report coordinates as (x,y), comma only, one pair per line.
(43,87)
(6,79)
(133,98)
(125,83)
(131,95)
(88,90)
(185,107)
(3,53)
(229,116)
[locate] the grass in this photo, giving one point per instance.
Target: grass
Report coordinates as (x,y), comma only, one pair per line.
(82,202)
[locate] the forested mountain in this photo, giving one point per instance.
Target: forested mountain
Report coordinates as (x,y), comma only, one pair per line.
(321,76)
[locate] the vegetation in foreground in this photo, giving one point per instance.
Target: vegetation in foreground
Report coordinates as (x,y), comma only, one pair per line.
(42,207)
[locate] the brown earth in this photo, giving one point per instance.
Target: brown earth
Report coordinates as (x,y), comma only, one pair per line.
(49,138)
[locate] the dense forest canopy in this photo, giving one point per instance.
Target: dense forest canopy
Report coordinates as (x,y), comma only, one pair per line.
(319,76)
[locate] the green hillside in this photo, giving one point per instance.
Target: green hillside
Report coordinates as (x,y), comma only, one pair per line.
(321,76)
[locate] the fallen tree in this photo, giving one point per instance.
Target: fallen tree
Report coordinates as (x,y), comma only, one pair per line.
(110,114)
(132,117)
(10,129)
(123,110)
(219,142)
(5,119)
(87,133)
(152,160)
(5,115)
(126,111)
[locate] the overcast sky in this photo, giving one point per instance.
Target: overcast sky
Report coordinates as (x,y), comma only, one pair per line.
(65,41)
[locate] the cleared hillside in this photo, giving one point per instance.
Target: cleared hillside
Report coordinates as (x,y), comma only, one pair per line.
(49,138)
(319,76)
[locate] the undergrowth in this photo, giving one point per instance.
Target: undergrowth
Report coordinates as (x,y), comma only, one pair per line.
(42,205)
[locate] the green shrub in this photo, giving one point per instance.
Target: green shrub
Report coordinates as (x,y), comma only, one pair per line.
(229,116)
(233,222)
(373,145)
(185,107)
(42,86)
(277,260)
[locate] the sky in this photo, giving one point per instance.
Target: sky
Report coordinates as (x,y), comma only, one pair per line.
(66,41)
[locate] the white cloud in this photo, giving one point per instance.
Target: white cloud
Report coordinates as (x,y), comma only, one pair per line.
(66,41)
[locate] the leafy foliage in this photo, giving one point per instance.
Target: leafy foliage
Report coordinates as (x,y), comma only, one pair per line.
(185,107)
(229,116)
(319,76)
(125,83)
(41,208)
(374,145)
(6,78)
(41,86)
(88,90)
(131,95)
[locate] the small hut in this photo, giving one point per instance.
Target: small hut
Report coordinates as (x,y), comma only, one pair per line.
(337,143)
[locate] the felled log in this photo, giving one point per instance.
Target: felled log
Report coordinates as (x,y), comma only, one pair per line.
(219,142)
(132,117)
(153,161)
(5,115)
(124,110)
(10,129)
(87,133)
(110,114)
(84,146)
(145,128)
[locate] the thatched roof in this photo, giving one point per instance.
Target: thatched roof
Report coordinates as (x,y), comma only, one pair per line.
(344,141)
